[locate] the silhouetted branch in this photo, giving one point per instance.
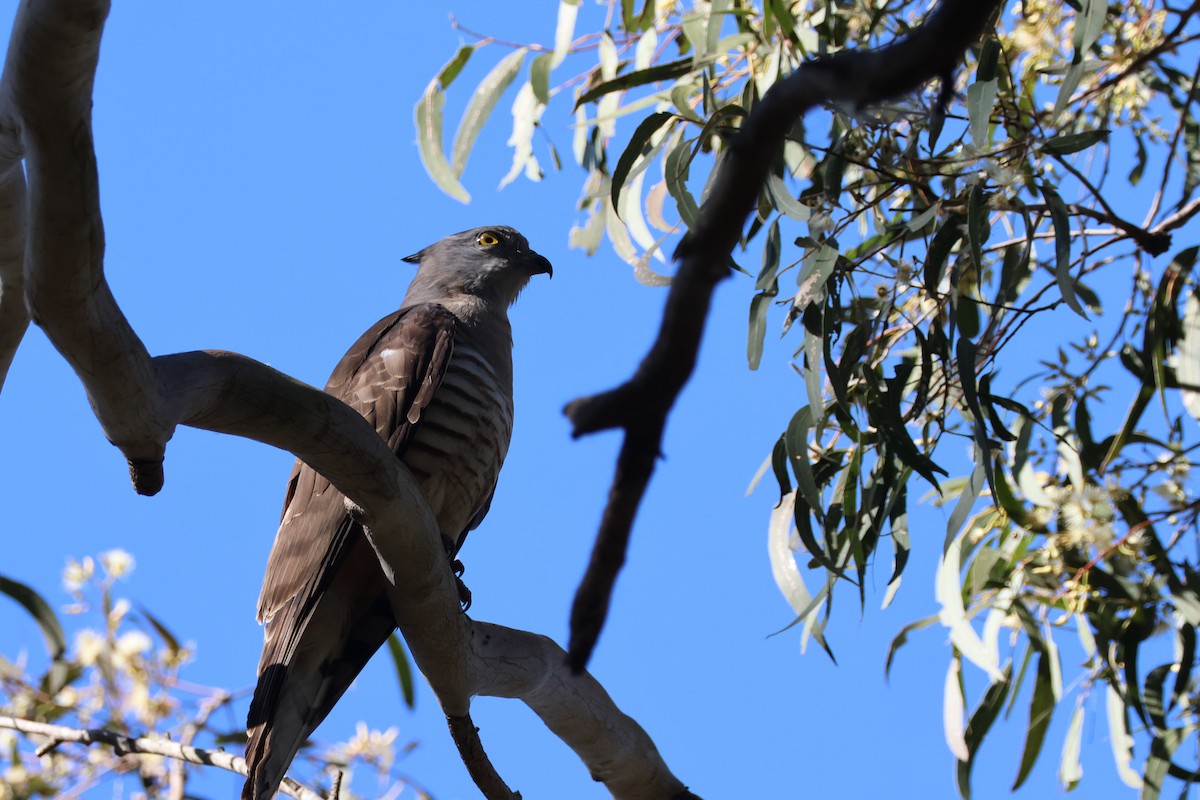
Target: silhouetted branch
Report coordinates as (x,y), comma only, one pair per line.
(641,405)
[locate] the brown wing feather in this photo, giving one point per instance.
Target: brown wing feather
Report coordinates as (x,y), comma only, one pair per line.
(390,376)
(324,599)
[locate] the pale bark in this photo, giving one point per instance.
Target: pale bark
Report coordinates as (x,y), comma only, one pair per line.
(45,104)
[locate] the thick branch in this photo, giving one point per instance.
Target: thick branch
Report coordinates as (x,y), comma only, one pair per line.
(641,405)
(48,78)
(45,93)
(460,657)
(121,744)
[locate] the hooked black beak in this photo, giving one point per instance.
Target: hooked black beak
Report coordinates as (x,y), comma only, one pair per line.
(538,264)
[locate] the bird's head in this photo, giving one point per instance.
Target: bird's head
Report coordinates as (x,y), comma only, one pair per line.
(492,264)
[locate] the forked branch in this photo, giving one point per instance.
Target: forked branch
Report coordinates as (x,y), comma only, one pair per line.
(52,261)
(640,406)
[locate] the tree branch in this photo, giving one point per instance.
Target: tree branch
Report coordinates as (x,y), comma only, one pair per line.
(48,78)
(121,744)
(641,405)
(45,105)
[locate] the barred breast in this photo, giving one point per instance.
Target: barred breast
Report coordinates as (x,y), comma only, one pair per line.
(462,438)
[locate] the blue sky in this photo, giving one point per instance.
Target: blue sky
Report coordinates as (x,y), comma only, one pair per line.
(260,184)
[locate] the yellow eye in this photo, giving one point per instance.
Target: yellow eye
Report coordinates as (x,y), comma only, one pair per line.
(488,239)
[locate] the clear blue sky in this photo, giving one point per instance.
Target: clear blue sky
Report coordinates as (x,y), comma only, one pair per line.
(260,183)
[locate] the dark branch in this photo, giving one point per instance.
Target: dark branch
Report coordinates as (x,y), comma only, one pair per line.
(641,405)
(470,748)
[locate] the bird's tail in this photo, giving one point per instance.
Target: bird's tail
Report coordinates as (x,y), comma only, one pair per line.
(314,651)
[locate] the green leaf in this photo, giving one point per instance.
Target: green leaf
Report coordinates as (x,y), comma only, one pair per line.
(454,66)
(779,461)
(902,639)
(1119,738)
(981,96)
(977,728)
(1062,249)
(404,671)
(1158,763)
(716,19)
(1066,89)
(630,80)
(1070,771)
(989,57)
(965,354)
(1088,25)
(39,609)
(1187,368)
(962,508)
(1074,142)
(1041,709)
(162,630)
(539,77)
(796,441)
(677,167)
(428,115)
(817,267)
(939,250)
(1191,145)
(480,106)
(638,144)
(1152,696)
(759,305)
(783,199)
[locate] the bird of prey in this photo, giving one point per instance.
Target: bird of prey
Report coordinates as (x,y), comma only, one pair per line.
(435,378)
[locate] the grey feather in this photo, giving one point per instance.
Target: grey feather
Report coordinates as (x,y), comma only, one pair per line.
(435,378)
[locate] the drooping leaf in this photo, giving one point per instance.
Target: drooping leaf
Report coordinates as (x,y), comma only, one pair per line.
(42,613)
(161,629)
(1068,143)
(1062,249)
(1191,143)
(980,723)
(638,144)
(630,80)
(404,673)
(981,96)
(1156,707)
(939,250)
(539,77)
(768,288)
(1119,738)
(564,29)
(1187,368)
(1070,770)
(901,639)
(676,168)
(1158,763)
(428,115)
(1041,709)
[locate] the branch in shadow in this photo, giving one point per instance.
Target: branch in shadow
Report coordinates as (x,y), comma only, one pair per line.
(641,405)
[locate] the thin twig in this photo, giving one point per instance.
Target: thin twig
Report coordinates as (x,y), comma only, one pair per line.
(150,745)
(177,776)
(640,406)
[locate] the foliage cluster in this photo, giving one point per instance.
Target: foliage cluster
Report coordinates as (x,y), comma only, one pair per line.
(984,269)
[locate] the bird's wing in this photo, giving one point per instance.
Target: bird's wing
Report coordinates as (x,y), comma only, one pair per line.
(390,376)
(323,600)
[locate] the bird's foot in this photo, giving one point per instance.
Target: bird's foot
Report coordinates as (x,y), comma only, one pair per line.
(464,594)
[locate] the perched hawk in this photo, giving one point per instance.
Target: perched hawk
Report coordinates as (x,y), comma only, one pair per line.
(435,378)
